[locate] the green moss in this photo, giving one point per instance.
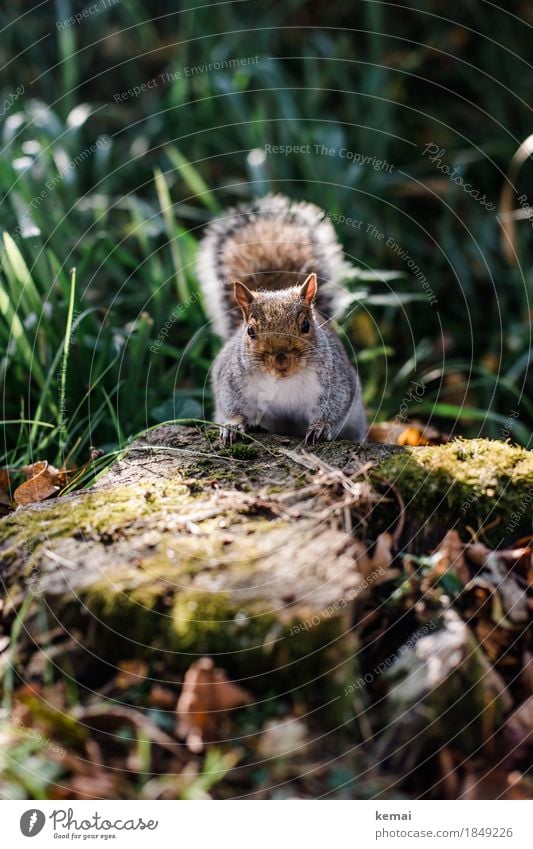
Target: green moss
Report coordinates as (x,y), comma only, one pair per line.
(240,451)
(203,620)
(466,482)
(137,615)
(128,621)
(299,649)
(93,514)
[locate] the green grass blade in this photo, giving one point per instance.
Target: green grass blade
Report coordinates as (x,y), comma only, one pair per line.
(166,205)
(193,179)
(16,334)
(64,363)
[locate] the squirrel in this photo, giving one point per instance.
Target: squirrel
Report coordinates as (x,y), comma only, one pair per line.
(282,368)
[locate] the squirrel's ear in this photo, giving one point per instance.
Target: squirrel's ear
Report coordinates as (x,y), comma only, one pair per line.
(243,296)
(309,289)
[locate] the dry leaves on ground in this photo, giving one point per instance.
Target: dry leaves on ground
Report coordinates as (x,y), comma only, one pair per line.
(375,564)
(42,481)
(205,699)
(406,433)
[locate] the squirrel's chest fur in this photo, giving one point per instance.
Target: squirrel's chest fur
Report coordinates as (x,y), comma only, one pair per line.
(285,406)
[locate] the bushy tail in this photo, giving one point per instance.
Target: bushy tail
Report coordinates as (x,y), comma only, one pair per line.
(271,243)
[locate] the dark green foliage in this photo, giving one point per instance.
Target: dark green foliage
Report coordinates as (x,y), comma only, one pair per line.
(147,170)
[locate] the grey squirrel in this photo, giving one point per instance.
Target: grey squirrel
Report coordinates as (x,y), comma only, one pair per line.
(283,368)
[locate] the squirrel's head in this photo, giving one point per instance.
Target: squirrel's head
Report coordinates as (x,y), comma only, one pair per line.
(279,326)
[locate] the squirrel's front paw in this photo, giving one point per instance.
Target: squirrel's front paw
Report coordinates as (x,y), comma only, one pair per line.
(231,431)
(317,431)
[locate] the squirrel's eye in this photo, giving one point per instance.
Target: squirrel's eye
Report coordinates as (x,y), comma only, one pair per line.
(251,332)
(305,325)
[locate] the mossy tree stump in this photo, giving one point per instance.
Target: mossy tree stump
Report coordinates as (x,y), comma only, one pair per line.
(183,549)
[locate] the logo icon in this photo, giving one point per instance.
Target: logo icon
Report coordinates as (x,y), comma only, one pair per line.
(32,822)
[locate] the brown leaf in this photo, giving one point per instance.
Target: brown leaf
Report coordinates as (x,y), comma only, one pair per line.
(375,568)
(205,698)
(385,432)
(41,467)
(131,672)
(162,697)
(38,489)
(412,434)
(42,481)
(382,557)
(5,488)
(450,556)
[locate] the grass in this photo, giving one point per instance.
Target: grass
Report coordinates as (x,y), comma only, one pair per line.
(118,186)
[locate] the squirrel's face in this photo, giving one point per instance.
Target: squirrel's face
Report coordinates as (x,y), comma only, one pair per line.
(279,327)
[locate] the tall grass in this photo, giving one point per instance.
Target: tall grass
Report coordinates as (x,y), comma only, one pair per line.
(119,185)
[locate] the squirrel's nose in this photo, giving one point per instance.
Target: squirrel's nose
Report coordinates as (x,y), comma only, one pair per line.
(281,360)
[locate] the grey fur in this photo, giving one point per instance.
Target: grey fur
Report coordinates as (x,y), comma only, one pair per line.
(327,258)
(337,413)
(321,398)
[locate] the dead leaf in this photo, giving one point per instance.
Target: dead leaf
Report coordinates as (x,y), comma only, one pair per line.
(205,697)
(162,697)
(132,672)
(450,556)
(5,489)
(59,476)
(382,557)
(376,568)
(411,434)
(42,481)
